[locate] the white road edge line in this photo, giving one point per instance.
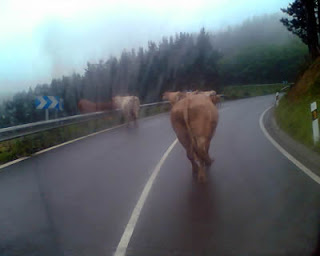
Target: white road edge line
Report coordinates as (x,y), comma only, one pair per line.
(303,168)
(126,236)
(13,162)
(68,142)
(57,146)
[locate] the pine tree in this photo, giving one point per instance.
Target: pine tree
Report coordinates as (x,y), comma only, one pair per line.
(303,23)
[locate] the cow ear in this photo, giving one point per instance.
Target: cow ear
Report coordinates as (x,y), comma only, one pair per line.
(213,98)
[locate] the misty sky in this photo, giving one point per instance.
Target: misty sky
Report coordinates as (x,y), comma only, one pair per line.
(42,39)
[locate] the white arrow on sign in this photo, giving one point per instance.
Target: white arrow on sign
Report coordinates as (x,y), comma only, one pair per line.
(54,102)
(43,102)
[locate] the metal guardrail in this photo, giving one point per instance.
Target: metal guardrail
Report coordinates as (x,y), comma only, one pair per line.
(31,128)
(286,87)
(41,126)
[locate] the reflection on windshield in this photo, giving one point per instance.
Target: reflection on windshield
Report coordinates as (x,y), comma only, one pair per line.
(159,128)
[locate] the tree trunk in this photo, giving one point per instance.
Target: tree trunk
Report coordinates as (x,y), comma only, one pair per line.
(312,31)
(318,14)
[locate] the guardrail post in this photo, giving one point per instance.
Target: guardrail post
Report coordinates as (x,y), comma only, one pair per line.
(315,122)
(277,98)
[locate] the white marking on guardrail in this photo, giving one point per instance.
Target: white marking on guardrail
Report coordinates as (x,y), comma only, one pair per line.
(303,168)
(126,236)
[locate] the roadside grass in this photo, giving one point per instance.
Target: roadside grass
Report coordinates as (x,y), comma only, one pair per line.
(30,144)
(245,91)
(293,113)
(295,119)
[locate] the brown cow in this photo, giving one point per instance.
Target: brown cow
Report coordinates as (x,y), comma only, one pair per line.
(86,106)
(129,105)
(194,120)
(207,93)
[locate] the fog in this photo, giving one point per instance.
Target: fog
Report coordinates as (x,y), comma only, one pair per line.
(40,40)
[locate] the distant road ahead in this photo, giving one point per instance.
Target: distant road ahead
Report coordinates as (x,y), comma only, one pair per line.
(77,199)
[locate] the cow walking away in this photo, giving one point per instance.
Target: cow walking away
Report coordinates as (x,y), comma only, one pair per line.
(129,106)
(86,106)
(194,120)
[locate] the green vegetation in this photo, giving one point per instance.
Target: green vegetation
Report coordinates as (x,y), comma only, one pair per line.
(244,91)
(295,119)
(293,113)
(28,145)
(263,63)
(303,19)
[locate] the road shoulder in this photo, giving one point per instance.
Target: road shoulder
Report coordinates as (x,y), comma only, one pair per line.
(303,154)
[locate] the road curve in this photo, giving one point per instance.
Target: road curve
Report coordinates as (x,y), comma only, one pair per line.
(77,199)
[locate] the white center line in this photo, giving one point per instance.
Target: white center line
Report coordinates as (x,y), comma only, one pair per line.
(126,236)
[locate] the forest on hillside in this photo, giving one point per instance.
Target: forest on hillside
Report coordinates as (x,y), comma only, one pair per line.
(258,51)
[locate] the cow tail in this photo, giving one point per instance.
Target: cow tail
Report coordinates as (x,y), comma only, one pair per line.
(197,144)
(186,119)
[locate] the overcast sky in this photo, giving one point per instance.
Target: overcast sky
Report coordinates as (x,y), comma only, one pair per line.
(43,39)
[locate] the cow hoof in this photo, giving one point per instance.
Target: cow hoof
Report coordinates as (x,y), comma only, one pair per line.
(194,174)
(209,162)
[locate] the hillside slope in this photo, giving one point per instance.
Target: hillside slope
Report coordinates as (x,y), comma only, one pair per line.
(293,113)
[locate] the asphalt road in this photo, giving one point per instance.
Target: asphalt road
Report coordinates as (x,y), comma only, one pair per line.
(77,199)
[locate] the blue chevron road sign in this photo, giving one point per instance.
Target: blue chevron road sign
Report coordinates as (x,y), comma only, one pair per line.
(49,102)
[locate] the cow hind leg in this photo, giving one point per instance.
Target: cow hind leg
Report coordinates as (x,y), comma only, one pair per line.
(202,177)
(191,157)
(209,160)
(203,145)
(135,117)
(201,150)
(128,119)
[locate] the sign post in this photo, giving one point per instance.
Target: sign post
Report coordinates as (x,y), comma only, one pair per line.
(47,114)
(315,122)
(48,102)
